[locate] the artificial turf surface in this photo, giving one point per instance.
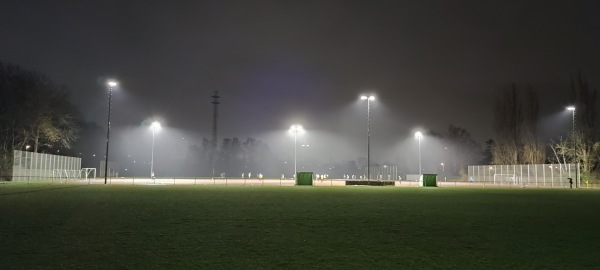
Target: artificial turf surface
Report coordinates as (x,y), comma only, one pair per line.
(235,227)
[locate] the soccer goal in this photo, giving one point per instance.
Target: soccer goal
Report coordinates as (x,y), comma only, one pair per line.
(83,174)
(505,178)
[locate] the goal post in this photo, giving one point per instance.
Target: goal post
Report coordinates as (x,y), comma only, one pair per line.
(88,173)
(82,174)
(505,178)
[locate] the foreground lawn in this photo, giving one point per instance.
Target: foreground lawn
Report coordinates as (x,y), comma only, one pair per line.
(218,227)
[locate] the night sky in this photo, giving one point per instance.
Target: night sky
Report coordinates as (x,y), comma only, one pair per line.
(276,63)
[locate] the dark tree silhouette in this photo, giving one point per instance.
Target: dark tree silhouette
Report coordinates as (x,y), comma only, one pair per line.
(33,111)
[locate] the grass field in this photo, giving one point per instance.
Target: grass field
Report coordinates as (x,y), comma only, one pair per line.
(234,227)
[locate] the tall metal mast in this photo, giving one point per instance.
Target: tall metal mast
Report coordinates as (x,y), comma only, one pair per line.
(215,103)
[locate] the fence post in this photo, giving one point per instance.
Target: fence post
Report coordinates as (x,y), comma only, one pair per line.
(551,175)
(544,174)
(578,173)
(560,177)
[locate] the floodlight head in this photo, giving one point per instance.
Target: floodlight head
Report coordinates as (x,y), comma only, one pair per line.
(418,135)
(296,129)
(112,83)
(369,98)
(155,126)
(571,108)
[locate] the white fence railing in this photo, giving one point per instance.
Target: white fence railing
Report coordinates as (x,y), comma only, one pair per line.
(542,175)
(39,165)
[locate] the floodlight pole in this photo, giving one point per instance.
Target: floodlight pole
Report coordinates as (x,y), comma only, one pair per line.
(573,121)
(294,129)
(572,109)
(295,150)
(368,98)
(419,136)
(155,126)
(110,88)
(368,139)
(152,156)
(420,170)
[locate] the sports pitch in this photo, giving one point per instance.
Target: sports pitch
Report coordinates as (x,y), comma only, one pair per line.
(235,227)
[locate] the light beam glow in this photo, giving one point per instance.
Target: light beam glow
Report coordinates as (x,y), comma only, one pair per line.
(112,83)
(155,126)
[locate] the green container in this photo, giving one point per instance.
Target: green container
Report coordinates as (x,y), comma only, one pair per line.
(304,179)
(430,180)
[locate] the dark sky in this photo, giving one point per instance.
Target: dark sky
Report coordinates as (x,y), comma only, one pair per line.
(430,63)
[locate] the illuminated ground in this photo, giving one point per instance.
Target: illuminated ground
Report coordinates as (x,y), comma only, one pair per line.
(236,227)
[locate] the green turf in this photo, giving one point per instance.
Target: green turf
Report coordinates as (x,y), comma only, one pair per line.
(218,227)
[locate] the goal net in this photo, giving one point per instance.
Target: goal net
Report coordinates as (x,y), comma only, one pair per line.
(505,178)
(83,174)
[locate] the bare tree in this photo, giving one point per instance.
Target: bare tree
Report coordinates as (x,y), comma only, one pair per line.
(508,119)
(584,141)
(585,151)
(563,152)
(516,125)
(33,111)
(586,101)
(463,148)
(576,149)
(532,151)
(52,123)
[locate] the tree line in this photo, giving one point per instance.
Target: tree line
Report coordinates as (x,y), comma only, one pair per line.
(35,114)
(517,122)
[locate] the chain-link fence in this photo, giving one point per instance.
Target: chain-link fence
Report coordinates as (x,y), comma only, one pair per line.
(30,165)
(541,175)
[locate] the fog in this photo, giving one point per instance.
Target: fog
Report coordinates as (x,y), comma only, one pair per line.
(330,144)
(334,141)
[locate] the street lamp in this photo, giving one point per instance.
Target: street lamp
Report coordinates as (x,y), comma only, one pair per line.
(155,126)
(111,84)
(295,129)
(368,99)
(419,136)
(572,109)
